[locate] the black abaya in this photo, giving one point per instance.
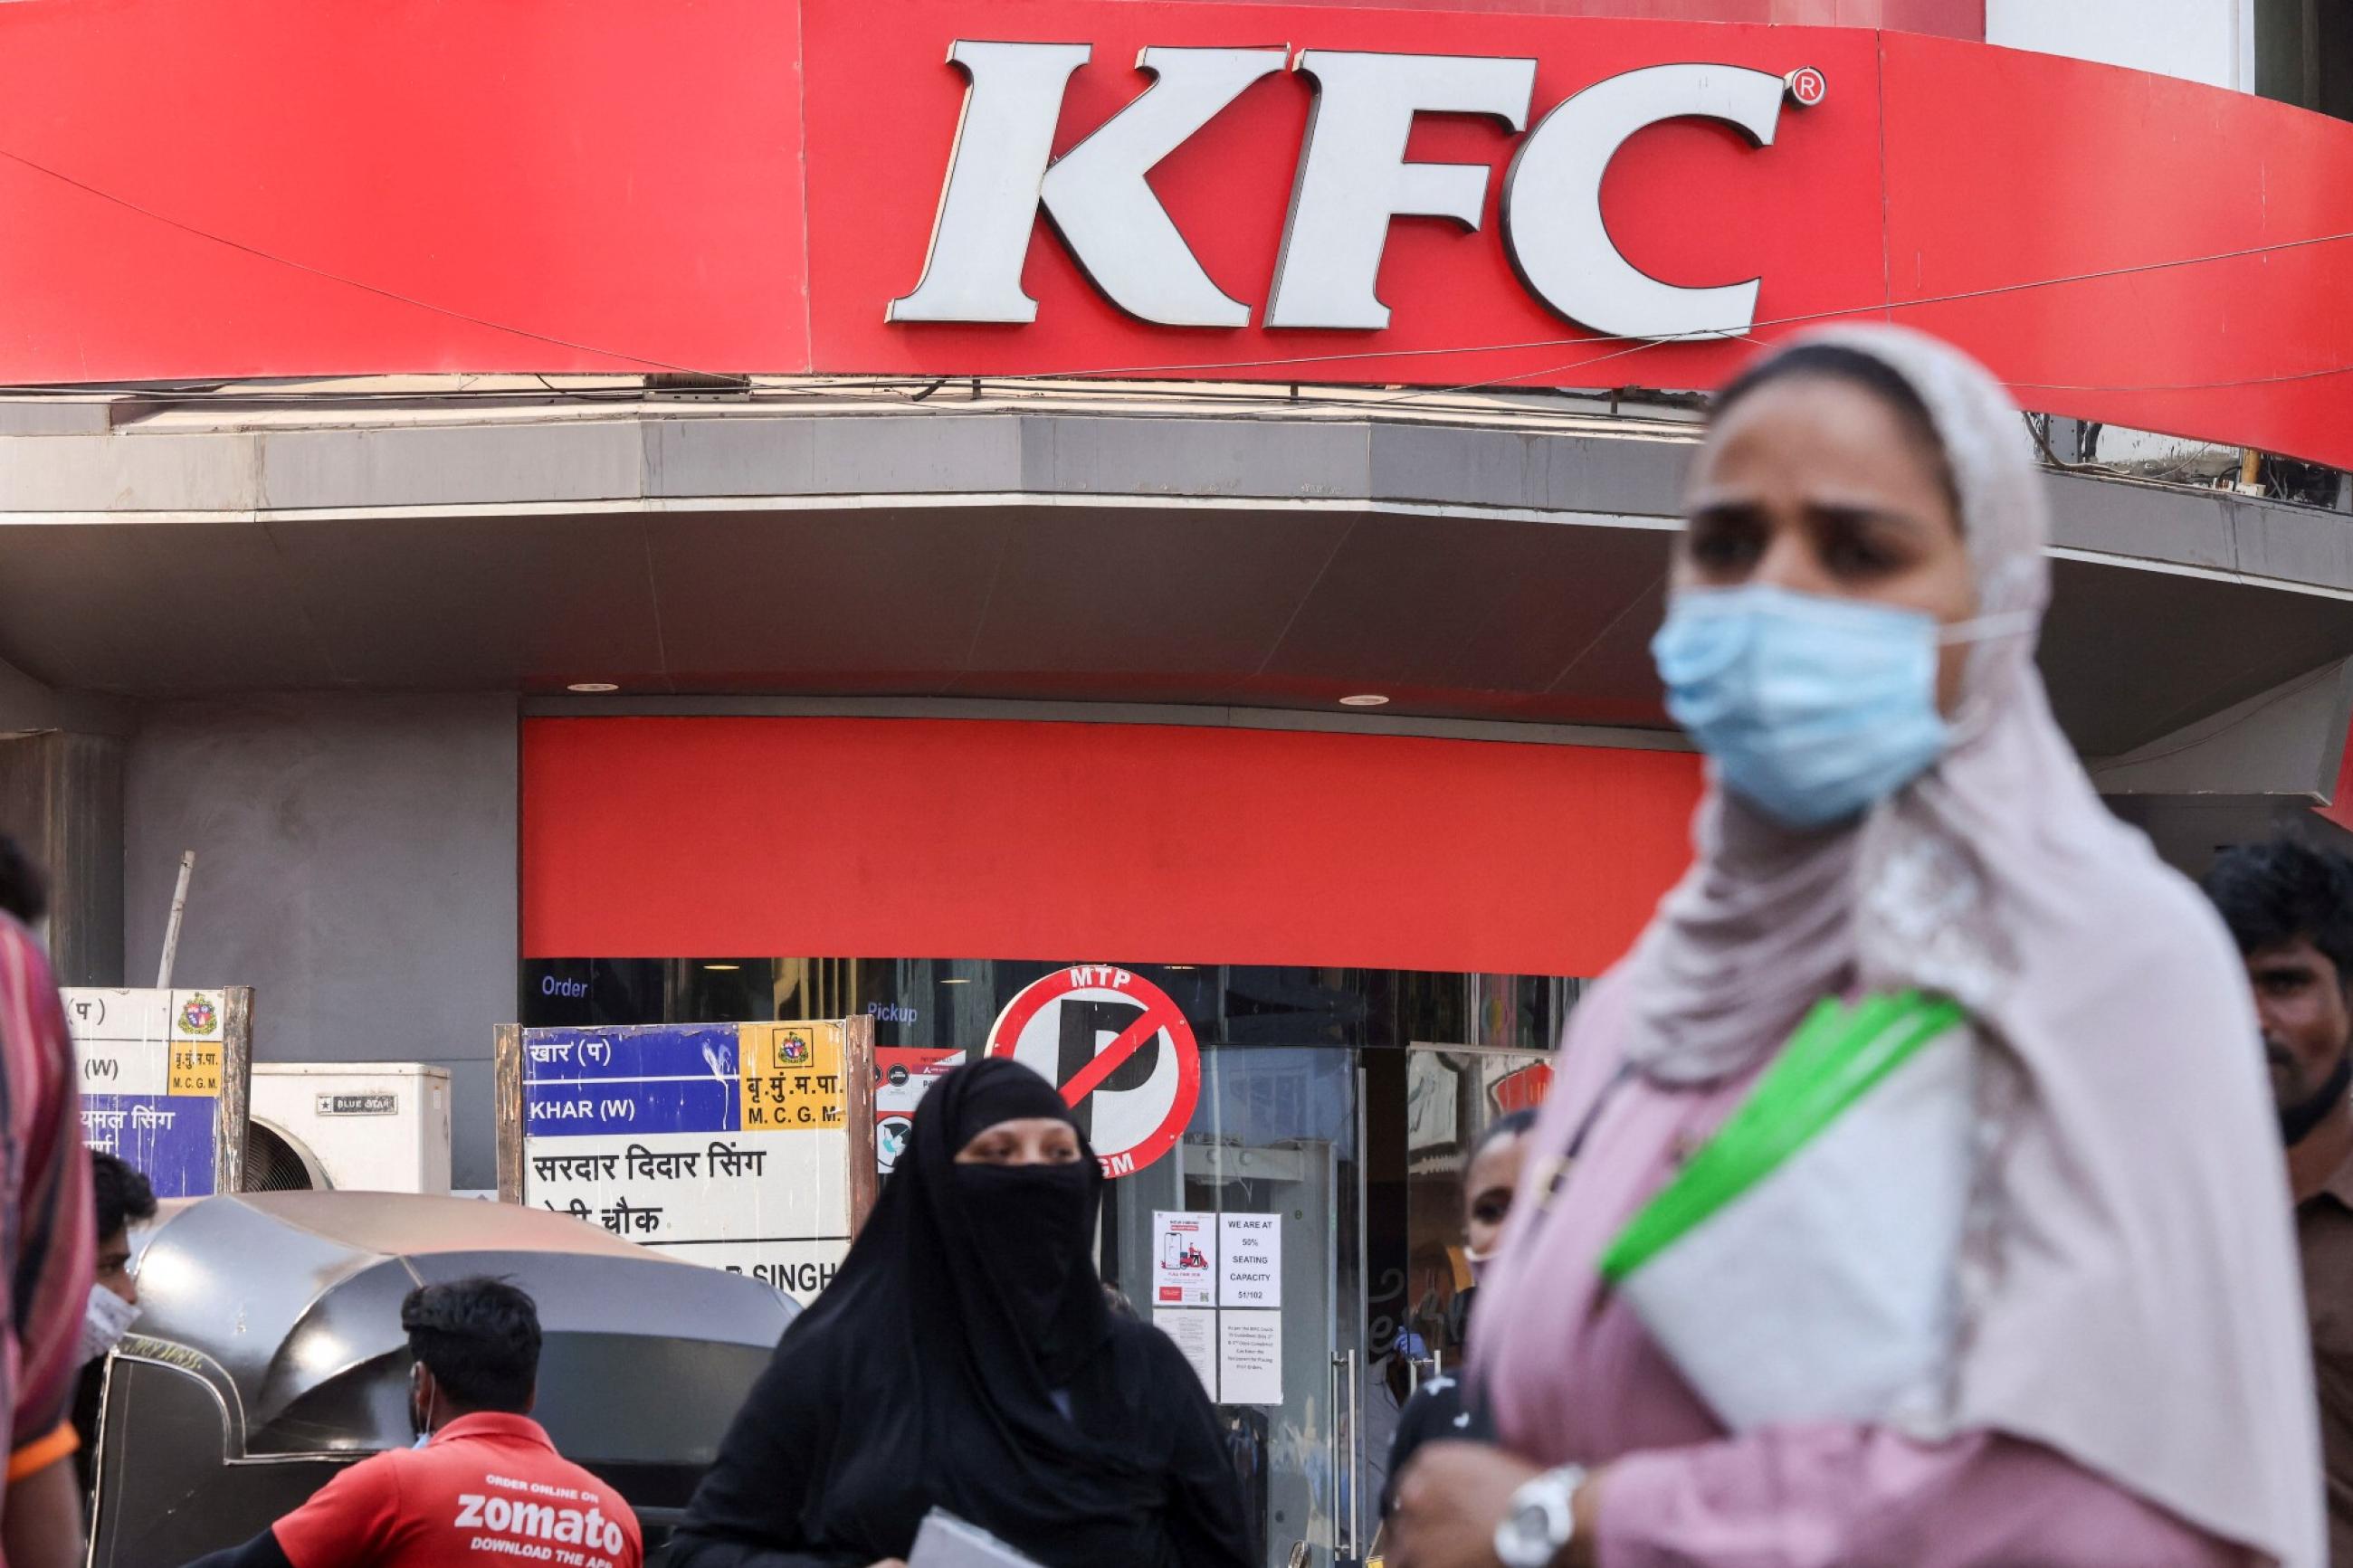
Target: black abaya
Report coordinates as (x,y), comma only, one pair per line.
(963,1357)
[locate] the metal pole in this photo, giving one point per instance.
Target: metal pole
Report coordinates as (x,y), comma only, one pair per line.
(172,932)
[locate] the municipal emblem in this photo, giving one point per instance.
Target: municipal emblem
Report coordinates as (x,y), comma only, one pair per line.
(197,1014)
(795,1050)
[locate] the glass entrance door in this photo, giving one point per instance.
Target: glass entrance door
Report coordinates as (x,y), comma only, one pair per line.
(1273,1151)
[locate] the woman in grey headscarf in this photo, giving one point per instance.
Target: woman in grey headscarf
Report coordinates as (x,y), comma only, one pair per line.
(1893,810)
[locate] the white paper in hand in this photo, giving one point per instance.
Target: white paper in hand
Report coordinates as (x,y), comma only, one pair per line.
(946,1541)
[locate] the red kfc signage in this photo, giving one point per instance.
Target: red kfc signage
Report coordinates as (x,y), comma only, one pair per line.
(1915,186)
(1390,196)
(1311,193)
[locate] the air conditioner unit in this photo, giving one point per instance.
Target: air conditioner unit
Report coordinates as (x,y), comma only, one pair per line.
(353,1126)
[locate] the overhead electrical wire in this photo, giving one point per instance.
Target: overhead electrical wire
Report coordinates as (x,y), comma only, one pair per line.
(930,381)
(256,251)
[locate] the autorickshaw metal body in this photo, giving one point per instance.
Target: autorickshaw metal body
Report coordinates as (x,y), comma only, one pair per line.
(269,1354)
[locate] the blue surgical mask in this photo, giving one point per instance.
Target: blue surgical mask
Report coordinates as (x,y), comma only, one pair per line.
(1813,708)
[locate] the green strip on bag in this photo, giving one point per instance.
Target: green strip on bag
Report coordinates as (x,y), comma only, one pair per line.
(1835,1058)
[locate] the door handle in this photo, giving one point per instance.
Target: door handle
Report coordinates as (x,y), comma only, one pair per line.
(1339,1453)
(1342,1470)
(1355,1476)
(1343,1453)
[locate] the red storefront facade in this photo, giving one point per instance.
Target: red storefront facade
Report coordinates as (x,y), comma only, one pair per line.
(604,514)
(756,182)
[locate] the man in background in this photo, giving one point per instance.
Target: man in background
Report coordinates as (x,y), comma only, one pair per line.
(121,1198)
(24,892)
(483,1486)
(44,1238)
(2290,908)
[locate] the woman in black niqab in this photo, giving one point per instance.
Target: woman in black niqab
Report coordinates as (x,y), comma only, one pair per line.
(963,1357)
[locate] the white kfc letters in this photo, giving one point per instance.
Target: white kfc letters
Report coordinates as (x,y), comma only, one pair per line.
(1354,178)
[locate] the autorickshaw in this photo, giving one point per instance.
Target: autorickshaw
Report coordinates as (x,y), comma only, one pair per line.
(269,1354)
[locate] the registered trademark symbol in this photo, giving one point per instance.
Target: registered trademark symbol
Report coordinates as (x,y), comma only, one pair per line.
(1807,86)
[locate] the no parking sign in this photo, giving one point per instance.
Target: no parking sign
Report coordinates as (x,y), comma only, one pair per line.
(1119,1049)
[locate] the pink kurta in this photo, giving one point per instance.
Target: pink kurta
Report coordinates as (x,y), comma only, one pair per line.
(1581,1382)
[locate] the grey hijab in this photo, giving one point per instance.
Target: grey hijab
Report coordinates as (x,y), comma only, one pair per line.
(2130,1286)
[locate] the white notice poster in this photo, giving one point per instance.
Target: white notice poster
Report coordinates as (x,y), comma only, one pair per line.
(1250,1358)
(1249,1260)
(1184,1259)
(1196,1333)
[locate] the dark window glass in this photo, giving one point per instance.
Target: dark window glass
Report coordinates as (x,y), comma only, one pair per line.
(945,1003)
(2304,54)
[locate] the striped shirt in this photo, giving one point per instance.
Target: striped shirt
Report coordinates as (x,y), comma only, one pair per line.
(47,1249)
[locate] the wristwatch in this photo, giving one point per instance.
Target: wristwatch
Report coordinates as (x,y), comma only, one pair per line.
(1541,1522)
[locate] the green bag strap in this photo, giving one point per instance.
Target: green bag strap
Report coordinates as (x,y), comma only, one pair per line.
(1718,1171)
(1838,1055)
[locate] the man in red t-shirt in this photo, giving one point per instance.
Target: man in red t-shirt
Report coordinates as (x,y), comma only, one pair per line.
(485,1486)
